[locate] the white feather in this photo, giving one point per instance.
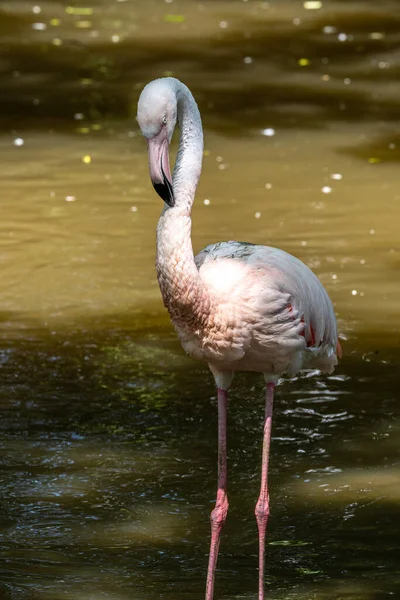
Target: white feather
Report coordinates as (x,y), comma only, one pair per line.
(237,306)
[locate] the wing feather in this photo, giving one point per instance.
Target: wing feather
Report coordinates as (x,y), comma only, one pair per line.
(294,284)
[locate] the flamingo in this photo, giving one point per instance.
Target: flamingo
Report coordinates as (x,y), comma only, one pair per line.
(237,306)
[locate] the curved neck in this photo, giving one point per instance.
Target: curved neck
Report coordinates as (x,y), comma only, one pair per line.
(180,283)
(190,154)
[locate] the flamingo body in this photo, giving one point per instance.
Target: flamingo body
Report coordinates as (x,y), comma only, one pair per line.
(237,306)
(270,312)
(258,309)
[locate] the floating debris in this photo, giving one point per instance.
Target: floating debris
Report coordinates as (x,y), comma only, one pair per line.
(36,10)
(134,208)
(206,201)
(326,189)
(19,142)
(325,77)
(296,21)
(257,215)
(55,22)
(374,160)
(115,39)
(174,18)
(39,26)
(57,42)
(223,24)
(87,159)
(83,24)
(354,292)
(304,62)
(312,5)
(347,81)
(290,542)
(329,29)
(70,198)
(337,176)
(268,132)
(247,60)
(268,186)
(79,11)
(376,35)
(334,276)
(342,37)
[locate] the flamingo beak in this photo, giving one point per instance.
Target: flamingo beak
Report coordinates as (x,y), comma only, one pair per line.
(160,173)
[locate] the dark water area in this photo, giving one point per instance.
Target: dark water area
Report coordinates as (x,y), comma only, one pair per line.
(243,62)
(108,460)
(108,432)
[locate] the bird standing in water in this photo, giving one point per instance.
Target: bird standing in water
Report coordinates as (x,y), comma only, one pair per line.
(237,306)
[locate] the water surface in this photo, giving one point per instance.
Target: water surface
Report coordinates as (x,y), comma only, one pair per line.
(108,432)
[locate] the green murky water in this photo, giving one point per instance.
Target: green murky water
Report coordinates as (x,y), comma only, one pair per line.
(108,432)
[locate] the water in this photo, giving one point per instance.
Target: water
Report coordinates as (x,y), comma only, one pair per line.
(108,432)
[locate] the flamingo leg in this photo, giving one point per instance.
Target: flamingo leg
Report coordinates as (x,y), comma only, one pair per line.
(218,515)
(262,506)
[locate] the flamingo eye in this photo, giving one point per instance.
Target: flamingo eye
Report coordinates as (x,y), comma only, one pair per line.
(164,119)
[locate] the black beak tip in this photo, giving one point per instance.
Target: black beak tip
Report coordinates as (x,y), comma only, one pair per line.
(165,191)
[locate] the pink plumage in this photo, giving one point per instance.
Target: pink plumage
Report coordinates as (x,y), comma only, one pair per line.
(237,306)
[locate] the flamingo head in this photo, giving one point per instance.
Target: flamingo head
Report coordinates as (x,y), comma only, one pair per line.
(156,115)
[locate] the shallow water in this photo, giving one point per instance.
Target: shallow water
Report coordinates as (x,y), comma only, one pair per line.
(108,432)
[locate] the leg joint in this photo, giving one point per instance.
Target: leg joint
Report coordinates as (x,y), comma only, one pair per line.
(262,509)
(218,515)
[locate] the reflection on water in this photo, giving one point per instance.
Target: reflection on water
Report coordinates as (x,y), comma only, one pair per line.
(108,433)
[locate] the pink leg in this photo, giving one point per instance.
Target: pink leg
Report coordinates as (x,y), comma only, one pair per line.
(218,515)
(262,506)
